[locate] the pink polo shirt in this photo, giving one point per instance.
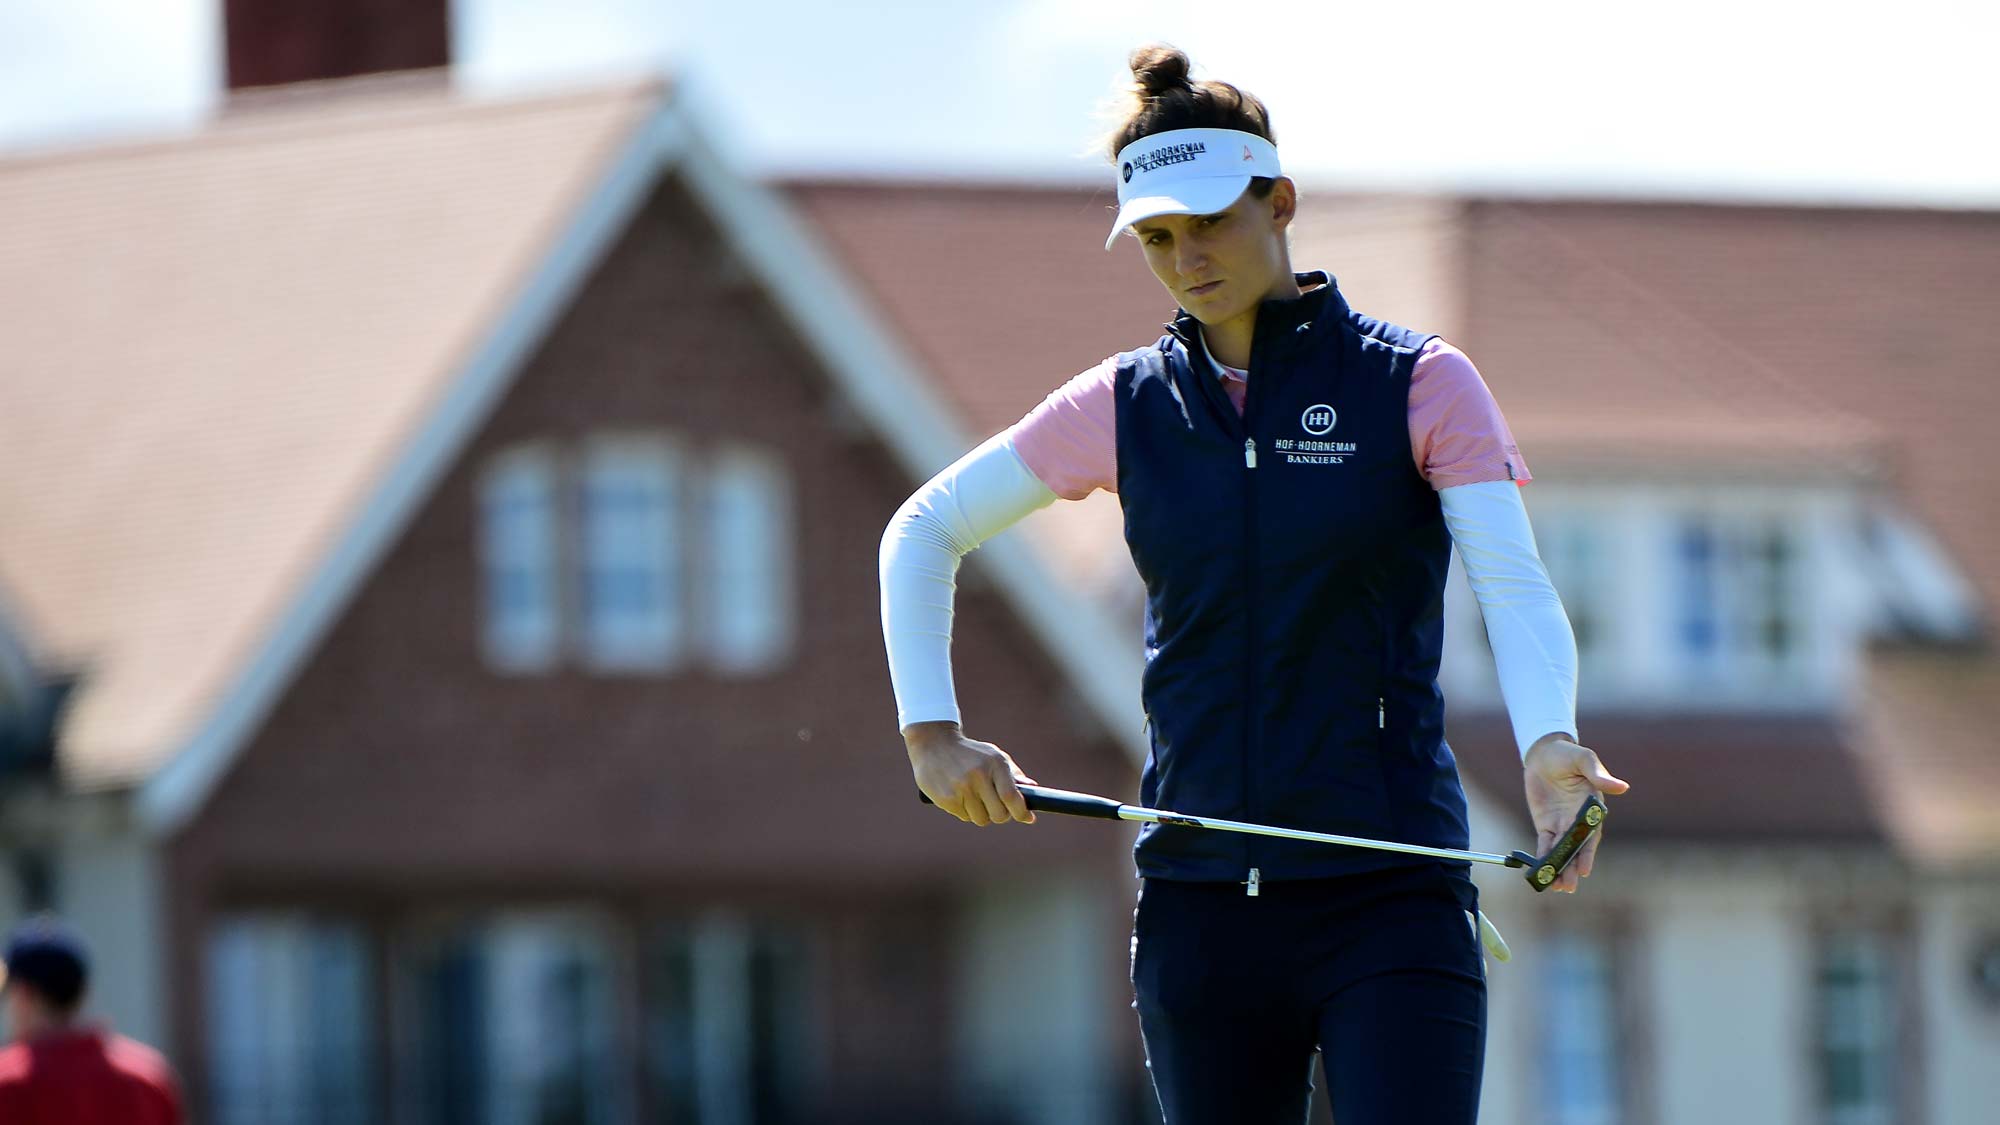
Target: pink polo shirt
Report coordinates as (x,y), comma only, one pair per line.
(1457,435)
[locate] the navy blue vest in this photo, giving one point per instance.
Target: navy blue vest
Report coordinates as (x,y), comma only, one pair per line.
(1294,562)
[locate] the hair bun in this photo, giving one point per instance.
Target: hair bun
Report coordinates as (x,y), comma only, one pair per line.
(1158,68)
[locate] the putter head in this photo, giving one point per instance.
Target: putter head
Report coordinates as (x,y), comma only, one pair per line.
(1542,870)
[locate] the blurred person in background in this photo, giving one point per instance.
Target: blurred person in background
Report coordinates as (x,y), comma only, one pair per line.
(57,1070)
(1293,476)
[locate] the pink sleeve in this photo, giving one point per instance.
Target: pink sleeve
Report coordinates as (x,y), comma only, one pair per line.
(1070,441)
(1457,434)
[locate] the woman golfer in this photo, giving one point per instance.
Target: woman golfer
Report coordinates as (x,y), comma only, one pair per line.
(1293,475)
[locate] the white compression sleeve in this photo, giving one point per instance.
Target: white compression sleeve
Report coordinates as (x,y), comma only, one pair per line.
(1534,650)
(977,497)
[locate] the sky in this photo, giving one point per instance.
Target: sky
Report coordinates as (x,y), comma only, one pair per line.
(1750,99)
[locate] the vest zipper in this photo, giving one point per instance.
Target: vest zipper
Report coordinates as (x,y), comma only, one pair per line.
(1381,714)
(1252,728)
(1250,884)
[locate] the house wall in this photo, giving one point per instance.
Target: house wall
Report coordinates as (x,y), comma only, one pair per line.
(110,891)
(399,770)
(1726,984)
(103,878)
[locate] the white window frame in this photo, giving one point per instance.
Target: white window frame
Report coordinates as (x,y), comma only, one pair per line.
(1737,661)
(652,544)
(749,588)
(522,639)
(1638,662)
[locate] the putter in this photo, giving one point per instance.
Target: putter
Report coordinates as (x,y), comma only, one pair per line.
(1541,871)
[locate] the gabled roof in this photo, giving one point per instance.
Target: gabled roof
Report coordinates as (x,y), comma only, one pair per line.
(246,356)
(218,349)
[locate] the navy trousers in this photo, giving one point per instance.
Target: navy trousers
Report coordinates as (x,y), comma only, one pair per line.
(1381,972)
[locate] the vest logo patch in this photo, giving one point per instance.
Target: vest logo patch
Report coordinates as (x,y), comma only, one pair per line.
(1318,420)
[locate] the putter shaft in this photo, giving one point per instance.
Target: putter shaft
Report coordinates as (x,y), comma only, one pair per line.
(1541,874)
(1159,816)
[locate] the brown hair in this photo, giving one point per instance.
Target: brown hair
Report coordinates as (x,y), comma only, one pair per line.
(1163,98)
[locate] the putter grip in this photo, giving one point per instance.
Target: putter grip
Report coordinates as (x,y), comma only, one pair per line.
(1588,819)
(1043,799)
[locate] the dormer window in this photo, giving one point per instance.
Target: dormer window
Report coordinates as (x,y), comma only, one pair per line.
(637,553)
(1684,594)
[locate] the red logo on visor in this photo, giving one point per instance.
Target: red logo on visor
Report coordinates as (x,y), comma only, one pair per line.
(1246,153)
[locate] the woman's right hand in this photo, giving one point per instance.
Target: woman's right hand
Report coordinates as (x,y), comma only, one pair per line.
(973,781)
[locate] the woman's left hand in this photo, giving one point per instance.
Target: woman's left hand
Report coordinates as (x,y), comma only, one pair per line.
(1558,775)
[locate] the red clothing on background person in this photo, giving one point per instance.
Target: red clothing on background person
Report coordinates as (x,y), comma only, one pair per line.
(87,1077)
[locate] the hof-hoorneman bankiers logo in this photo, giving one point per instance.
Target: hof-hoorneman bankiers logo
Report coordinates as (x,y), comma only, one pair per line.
(1317,420)
(1128,171)
(1165,156)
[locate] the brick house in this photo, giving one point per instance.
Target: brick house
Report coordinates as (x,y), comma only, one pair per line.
(1759,440)
(459,521)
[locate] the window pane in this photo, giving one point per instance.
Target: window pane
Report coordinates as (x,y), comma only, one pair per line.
(518,559)
(1736,618)
(671,1028)
(1856,1049)
(290,1032)
(749,560)
(1699,594)
(453,1006)
(631,580)
(777,1017)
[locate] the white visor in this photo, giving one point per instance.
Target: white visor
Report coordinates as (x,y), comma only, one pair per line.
(1188,172)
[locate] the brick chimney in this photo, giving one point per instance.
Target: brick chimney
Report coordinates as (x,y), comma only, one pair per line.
(273,42)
